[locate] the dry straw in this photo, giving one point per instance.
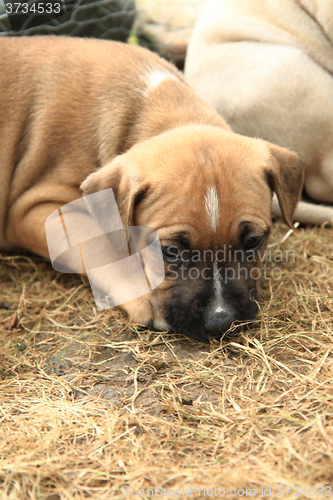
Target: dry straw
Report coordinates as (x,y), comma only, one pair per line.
(90,403)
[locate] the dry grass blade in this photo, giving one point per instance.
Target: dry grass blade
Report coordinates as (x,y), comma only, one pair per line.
(90,404)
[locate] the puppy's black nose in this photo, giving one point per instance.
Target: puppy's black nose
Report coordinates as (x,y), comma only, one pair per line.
(219,321)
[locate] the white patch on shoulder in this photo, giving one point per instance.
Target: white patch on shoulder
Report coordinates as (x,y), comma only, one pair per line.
(212,206)
(155,77)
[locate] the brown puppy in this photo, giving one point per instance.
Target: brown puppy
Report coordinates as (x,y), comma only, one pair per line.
(80,115)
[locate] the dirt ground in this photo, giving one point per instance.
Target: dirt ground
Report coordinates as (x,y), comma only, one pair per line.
(91,404)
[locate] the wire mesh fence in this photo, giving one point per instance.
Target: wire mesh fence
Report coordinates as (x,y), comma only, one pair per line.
(108,19)
(163,26)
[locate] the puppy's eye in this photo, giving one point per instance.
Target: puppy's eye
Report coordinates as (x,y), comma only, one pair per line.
(171,253)
(253,242)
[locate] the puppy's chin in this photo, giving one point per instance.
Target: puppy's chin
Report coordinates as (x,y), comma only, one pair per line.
(195,318)
(205,336)
(192,316)
(141,312)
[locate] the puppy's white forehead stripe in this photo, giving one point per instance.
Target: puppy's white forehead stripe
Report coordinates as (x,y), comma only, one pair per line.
(212,206)
(157,76)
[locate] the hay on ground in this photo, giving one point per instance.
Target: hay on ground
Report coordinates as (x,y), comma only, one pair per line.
(90,403)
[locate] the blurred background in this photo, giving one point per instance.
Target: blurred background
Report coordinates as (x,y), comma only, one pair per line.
(163,26)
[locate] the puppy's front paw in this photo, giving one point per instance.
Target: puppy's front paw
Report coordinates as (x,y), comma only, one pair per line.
(139,310)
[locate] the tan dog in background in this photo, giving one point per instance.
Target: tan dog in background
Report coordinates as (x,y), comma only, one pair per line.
(80,115)
(267,67)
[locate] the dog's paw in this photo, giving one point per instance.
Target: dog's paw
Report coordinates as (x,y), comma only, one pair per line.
(139,310)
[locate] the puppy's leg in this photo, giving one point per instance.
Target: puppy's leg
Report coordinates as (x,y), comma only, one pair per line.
(319,179)
(307,213)
(26,228)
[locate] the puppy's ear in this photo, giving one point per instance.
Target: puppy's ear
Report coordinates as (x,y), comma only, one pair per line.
(125,181)
(286,177)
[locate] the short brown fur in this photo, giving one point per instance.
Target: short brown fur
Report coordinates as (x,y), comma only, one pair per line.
(78,117)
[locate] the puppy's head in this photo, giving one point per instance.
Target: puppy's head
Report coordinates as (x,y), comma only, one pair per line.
(208,194)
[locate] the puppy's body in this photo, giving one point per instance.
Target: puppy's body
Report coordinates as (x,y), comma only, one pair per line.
(68,107)
(85,115)
(267,67)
